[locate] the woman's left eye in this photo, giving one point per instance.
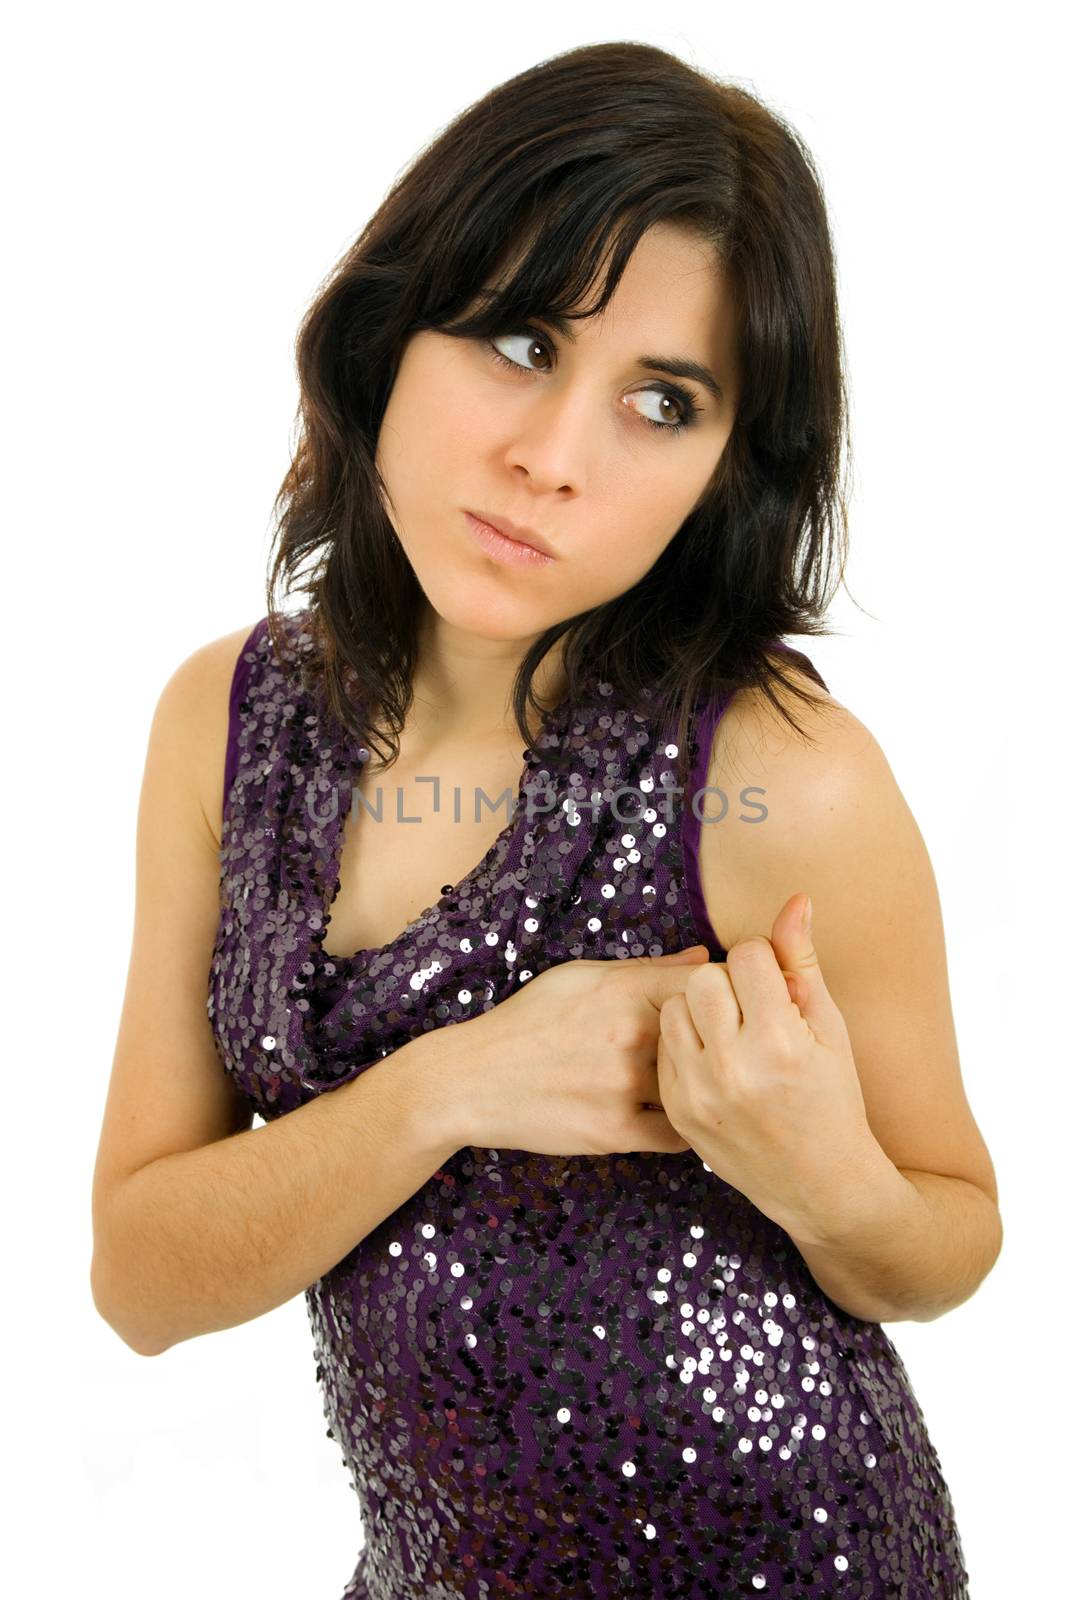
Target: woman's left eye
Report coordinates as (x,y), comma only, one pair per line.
(684,399)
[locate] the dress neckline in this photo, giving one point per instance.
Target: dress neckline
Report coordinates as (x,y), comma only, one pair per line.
(553,723)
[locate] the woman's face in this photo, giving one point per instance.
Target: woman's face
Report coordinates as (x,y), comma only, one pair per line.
(561,443)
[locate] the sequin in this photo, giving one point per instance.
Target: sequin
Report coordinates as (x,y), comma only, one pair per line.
(554,1376)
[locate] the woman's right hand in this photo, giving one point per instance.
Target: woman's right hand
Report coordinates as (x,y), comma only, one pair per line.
(567,1065)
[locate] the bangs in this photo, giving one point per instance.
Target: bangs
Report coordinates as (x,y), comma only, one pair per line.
(549,274)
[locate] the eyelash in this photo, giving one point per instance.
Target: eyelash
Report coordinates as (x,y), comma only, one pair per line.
(685,397)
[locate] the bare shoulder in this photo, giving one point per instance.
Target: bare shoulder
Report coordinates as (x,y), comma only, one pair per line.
(755,743)
(830,821)
(196,700)
(783,793)
(753,728)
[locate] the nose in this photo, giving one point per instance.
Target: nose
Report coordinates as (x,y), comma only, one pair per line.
(552,444)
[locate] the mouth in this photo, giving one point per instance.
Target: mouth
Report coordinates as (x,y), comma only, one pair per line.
(515,531)
(506,546)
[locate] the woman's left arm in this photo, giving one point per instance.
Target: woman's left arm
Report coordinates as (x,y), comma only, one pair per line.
(818,1072)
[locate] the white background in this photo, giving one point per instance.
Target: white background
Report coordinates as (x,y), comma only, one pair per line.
(178,182)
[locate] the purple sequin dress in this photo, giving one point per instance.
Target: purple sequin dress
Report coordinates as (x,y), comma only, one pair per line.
(554,1376)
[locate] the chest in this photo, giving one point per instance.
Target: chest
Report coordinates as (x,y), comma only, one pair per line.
(412,830)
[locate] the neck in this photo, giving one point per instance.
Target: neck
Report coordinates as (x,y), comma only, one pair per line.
(462,685)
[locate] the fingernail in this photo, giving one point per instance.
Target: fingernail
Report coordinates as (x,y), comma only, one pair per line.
(807,914)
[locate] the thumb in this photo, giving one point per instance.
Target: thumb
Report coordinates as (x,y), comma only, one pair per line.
(791,939)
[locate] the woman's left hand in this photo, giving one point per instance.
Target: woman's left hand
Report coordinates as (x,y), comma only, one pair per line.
(756,1071)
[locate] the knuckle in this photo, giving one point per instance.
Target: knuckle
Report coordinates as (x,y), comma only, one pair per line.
(626,1032)
(777,1042)
(743,949)
(672,1009)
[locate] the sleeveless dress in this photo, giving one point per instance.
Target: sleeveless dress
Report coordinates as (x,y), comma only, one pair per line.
(554,1376)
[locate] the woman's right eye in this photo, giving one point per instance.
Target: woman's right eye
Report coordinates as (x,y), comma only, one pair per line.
(524,338)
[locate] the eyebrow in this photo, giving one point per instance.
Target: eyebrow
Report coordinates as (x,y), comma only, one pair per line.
(677,366)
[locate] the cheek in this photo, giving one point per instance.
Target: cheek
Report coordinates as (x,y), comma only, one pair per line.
(447,471)
(419,450)
(470,424)
(642,519)
(616,564)
(432,416)
(658,506)
(661,499)
(639,527)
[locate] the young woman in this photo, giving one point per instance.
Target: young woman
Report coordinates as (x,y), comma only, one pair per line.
(600,1165)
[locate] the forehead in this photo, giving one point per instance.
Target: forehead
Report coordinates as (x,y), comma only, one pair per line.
(673,276)
(673,285)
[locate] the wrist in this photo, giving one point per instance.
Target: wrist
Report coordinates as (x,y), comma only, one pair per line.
(435,1088)
(862,1184)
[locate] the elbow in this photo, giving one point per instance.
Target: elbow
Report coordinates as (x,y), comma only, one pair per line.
(109,1308)
(992,1245)
(985,1259)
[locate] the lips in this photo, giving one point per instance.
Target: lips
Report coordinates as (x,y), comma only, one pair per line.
(516,532)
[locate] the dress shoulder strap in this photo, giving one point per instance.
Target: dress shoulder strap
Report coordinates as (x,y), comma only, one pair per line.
(245,668)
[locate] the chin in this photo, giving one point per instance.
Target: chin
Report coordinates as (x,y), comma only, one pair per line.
(479,608)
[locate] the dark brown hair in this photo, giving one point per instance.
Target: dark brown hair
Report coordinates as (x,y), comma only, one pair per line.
(552,174)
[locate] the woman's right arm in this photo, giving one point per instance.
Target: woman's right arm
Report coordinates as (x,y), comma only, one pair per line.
(200,1221)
